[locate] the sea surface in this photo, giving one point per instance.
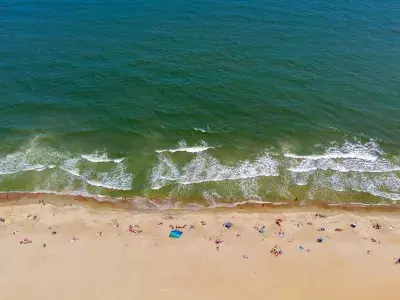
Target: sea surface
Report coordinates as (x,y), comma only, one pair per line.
(201,102)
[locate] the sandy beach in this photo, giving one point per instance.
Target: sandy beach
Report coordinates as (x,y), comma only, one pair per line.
(77,251)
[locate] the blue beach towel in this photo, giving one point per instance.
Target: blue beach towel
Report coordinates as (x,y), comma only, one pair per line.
(176,234)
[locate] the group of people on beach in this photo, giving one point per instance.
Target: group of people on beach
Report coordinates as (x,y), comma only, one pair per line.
(276,250)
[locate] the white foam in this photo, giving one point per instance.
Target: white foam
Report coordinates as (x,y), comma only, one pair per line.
(332,155)
(205,168)
(71,166)
(250,188)
(67,193)
(354,165)
(347,168)
(364,158)
(40,168)
(236,204)
(188,149)
(29,157)
(35,157)
(37,168)
(391,196)
(182,147)
(351,167)
(116,179)
(164,172)
(108,186)
(200,129)
(100,158)
(384,185)
(367,152)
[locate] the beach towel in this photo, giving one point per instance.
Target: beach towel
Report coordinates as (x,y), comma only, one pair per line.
(228,224)
(176,234)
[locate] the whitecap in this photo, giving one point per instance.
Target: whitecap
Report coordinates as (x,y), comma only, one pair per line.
(100,158)
(116,179)
(71,166)
(347,158)
(354,165)
(106,185)
(367,152)
(29,157)
(200,129)
(188,149)
(182,147)
(206,168)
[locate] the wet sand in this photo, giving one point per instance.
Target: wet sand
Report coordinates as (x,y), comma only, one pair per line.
(89,252)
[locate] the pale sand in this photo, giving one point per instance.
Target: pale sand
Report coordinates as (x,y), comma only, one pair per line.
(150,265)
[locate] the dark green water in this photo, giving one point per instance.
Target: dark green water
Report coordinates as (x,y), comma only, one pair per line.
(201,101)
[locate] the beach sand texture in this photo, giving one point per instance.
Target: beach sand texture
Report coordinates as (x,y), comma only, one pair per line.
(90,254)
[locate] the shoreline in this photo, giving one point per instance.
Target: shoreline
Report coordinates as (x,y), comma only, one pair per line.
(151,205)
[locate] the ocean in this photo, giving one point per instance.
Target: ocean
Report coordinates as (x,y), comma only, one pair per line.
(201,103)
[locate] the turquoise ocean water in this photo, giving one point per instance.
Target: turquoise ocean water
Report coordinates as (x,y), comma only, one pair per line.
(202,102)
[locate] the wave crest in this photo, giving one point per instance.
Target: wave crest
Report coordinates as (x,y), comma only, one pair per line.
(206,168)
(98,157)
(182,147)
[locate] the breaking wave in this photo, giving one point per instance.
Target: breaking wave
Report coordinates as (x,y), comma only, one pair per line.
(116,178)
(347,158)
(339,171)
(100,158)
(34,157)
(200,129)
(350,167)
(205,168)
(182,147)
